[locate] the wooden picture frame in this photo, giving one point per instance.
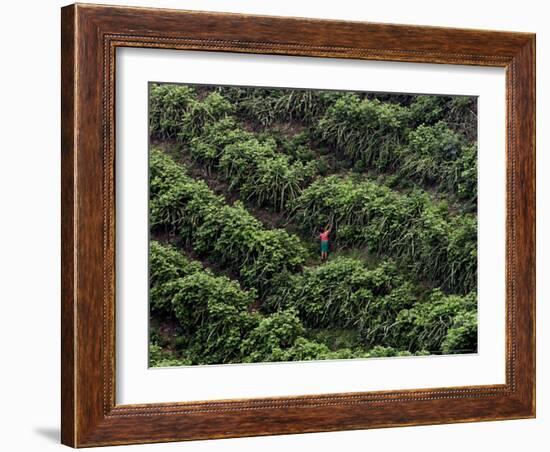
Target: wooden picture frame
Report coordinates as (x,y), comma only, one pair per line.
(90,35)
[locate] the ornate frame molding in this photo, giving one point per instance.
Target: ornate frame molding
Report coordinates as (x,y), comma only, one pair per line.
(90,37)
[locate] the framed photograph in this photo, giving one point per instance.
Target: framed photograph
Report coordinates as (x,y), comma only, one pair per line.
(282,225)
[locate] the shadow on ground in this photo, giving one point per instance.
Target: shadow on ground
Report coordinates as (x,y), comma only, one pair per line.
(50,433)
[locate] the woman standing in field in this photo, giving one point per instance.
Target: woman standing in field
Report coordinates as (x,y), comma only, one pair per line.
(324,242)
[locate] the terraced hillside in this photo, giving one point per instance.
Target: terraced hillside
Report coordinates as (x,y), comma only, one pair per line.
(243,179)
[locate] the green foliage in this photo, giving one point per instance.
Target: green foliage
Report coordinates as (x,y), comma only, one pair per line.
(176,200)
(228,233)
(427,110)
(420,233)
(201,113)
(257,103)
(441,319)
(297,146)
(429,151)
(273,335)
(168,106)
(266,106)
(277,182)
(253,166)
(385,352)
(166,264)
(335,338)
(459,112)
(213,312)
(423,142)
(158,357)
(462,335)
(176,112)
(337,293)
(305,350)
(365,130)
(461,115)
(241,242)
(155,336)
(343,308)
(343,293)
(462,253)
(441,150)
(435,155)
(376,323)
(216,326)
(462,177)
(382,136)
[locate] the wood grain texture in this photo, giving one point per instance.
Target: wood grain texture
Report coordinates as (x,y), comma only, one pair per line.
(90,36)
(67,226)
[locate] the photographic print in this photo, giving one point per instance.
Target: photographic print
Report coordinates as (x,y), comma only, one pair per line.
(314,225)
(294,225)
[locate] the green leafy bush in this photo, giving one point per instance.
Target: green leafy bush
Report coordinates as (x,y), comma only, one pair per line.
(413,228)
(462,335)
(428,152)
(461,115)
(168,105)
(159,357)
(462,177)
(176,112)
(384,137)
(266,106)
(458,112)
(272,336)
(376,323)
(166,264)
(213,312)
(427,110)
(201,113)
(440,319)
(241,242)
(337,293)
(365,130)
(255,167)
(228,233)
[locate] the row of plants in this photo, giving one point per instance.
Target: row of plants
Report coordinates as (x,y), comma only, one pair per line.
(338,292)
(268,106)
(177,112)
(254,166)
(429,140)
(412,142)
(212,311)
(382,306)
(215,325)
(385,137)
(345,282)
(425,238)
(226,233)
(438,247)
